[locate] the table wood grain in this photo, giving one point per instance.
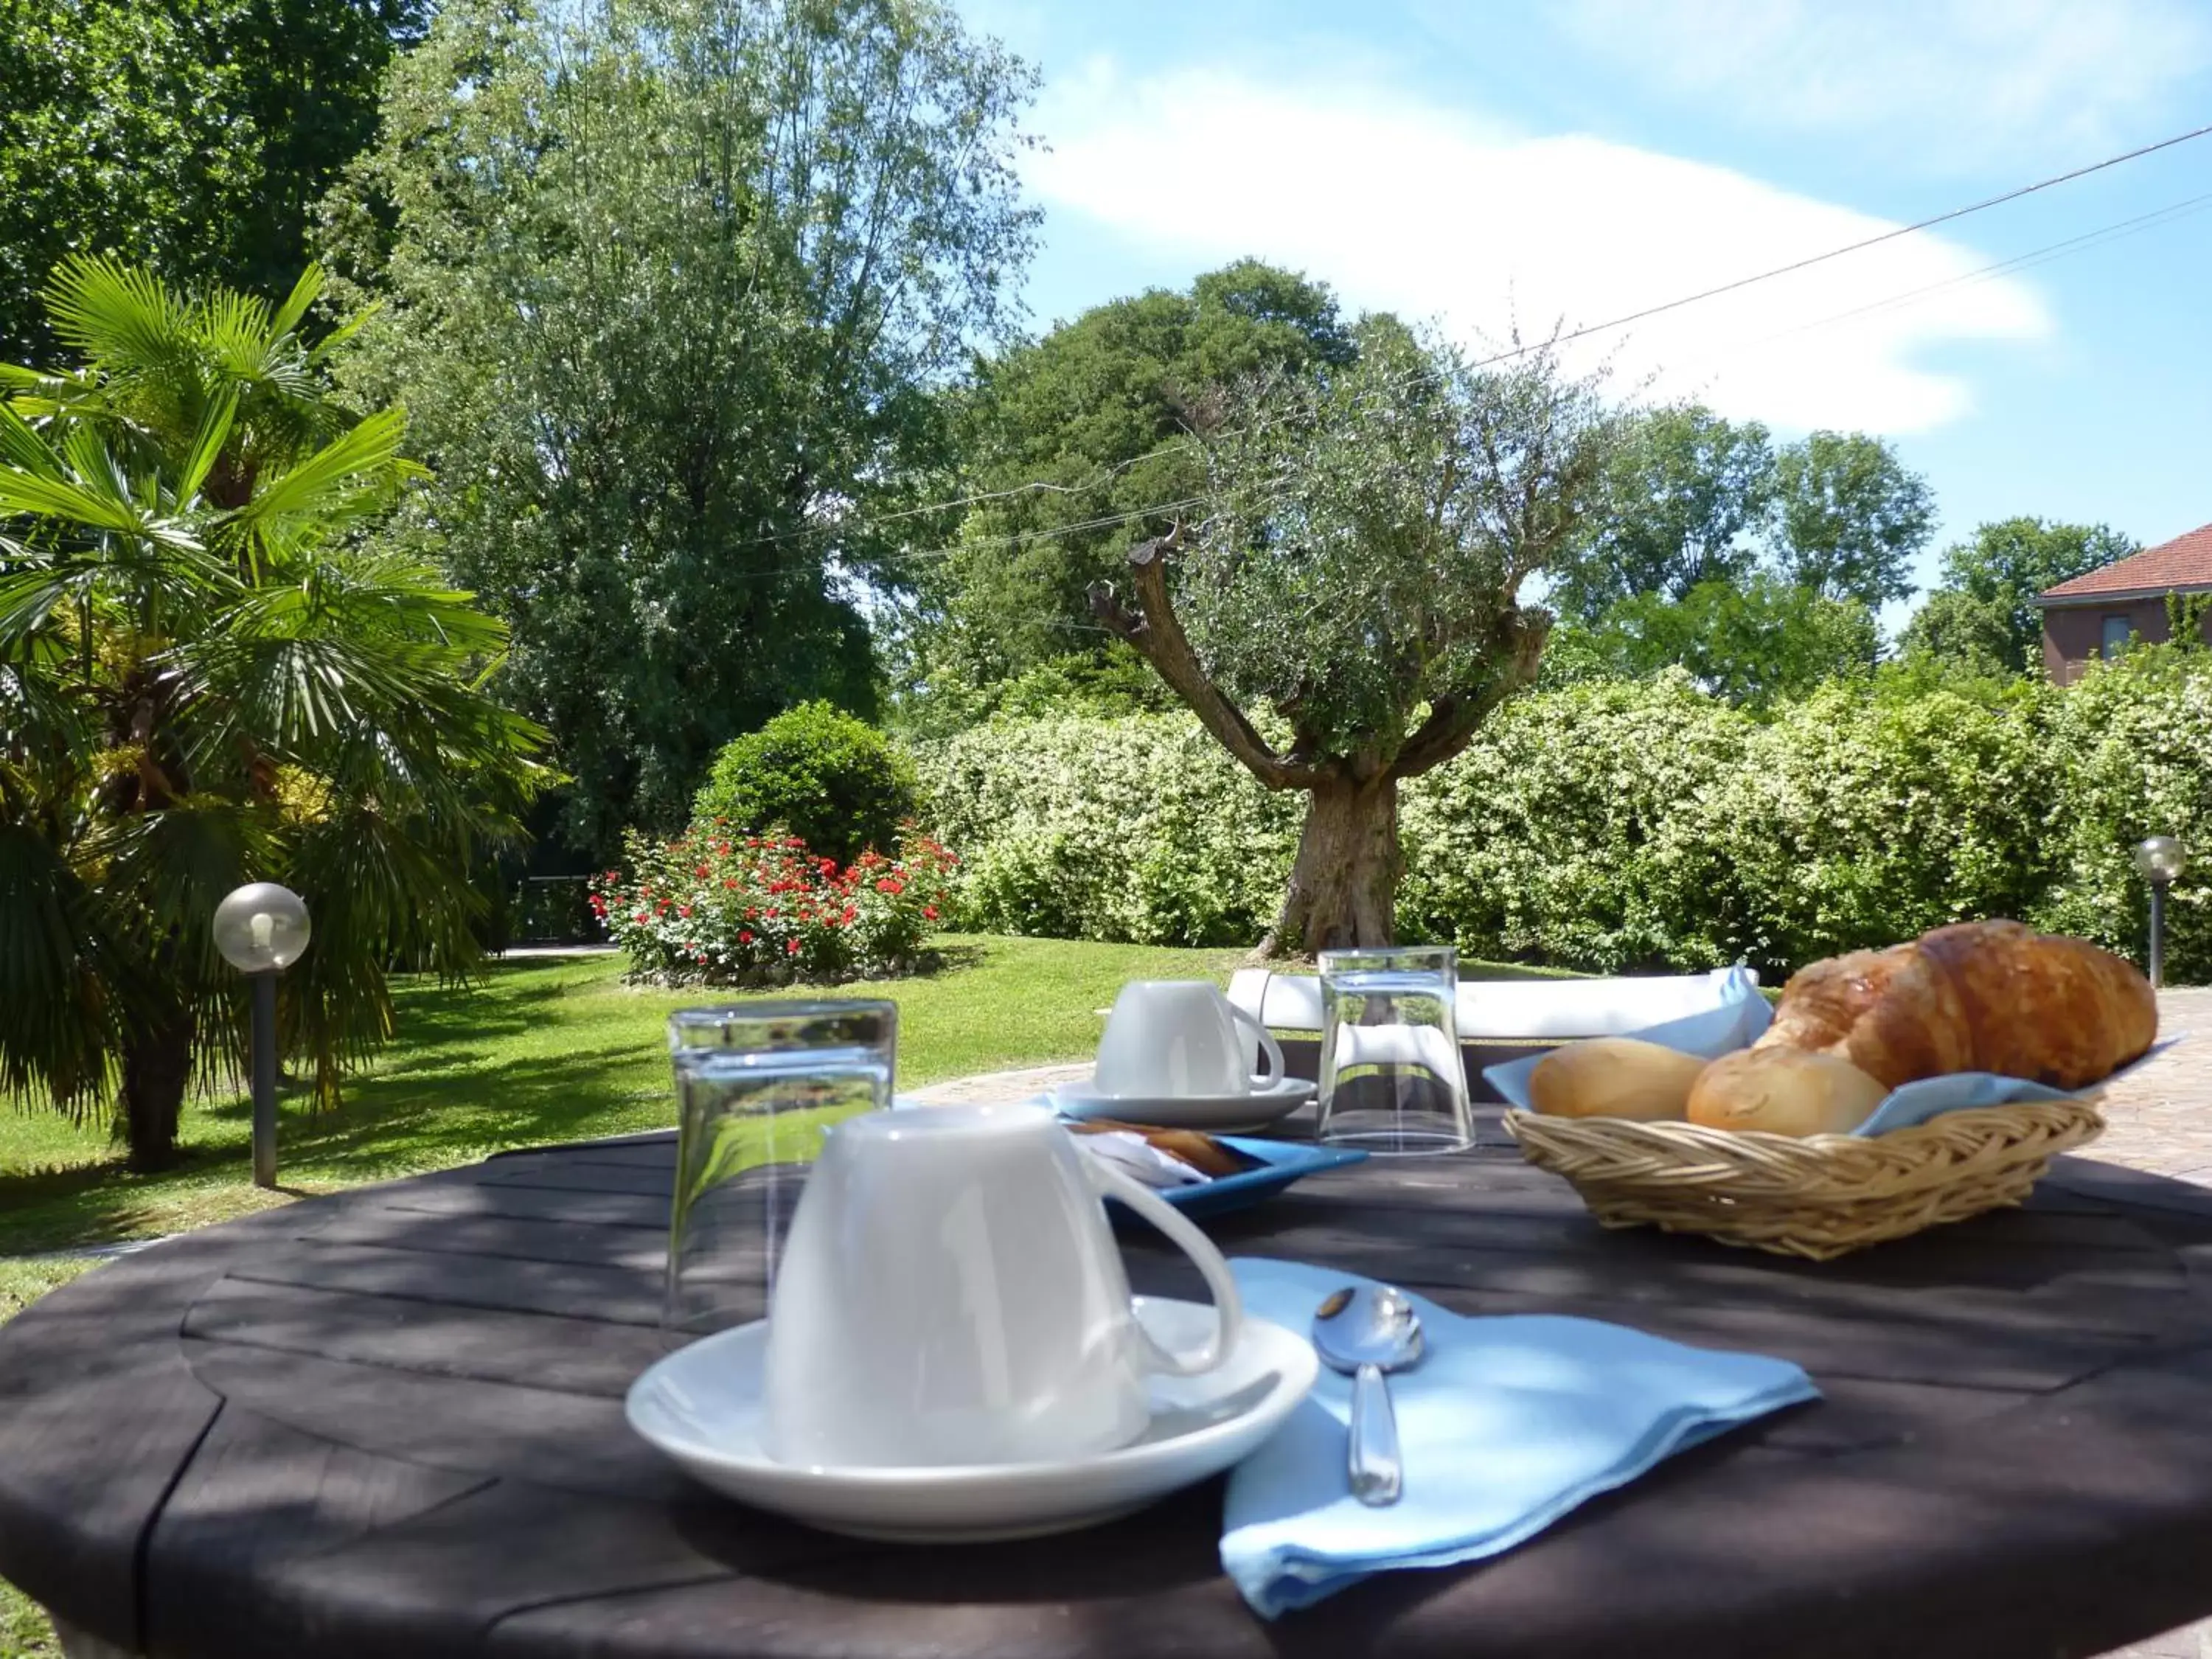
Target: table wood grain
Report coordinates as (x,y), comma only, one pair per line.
(391,1423)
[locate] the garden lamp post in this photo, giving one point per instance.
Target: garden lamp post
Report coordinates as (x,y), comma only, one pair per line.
(261,929)
(2160,859)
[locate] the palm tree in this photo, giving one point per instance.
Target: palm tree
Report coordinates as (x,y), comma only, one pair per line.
(209,676)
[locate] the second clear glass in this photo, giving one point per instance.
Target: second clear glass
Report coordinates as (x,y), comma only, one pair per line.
(758,1085)
(1393,1081)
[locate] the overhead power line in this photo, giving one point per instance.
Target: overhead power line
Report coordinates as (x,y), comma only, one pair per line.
(2032,257)
(1811,260)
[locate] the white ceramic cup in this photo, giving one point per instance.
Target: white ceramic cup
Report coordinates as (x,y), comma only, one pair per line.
(1173,1038)
(950,1293)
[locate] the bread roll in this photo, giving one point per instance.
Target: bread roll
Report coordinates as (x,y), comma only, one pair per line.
(1613,1077)
(1981,996)
(1783,1091)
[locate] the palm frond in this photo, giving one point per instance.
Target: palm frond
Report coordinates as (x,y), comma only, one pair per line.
(297,303)
(208,442)
(114,510)
(22,448)
(122,317)
(66,978)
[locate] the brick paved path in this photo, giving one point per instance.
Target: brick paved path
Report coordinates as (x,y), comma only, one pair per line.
(2159,1119)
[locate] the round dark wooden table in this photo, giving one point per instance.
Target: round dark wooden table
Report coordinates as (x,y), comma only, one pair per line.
(390,1422)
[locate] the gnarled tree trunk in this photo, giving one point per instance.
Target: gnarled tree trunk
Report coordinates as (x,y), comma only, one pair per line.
(1344,886)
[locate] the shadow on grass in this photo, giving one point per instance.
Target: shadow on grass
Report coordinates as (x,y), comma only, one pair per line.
(450,1094)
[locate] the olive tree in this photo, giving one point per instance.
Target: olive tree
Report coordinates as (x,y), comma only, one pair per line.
(1350,608)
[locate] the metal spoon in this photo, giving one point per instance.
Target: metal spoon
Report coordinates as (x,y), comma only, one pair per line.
(1368,1331)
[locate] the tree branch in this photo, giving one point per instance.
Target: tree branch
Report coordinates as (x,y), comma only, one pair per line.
(1453,719)
(1157,634)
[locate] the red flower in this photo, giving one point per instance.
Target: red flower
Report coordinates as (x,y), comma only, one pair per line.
(683,909)
(828,866)
(752,910)
(791,946)
(890,885)
(744,937)
(640,916)
(729,881)
(700,871)
(929,912)
(771,913)
(849,913)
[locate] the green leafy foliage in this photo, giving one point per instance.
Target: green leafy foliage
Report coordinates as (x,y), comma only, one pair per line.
(1748,642)
(1094,421)
(1982,614)
(815,772)
(1687,498)
(1849,517)
(672,285)
(1370,536)
(192,136)
(205,678)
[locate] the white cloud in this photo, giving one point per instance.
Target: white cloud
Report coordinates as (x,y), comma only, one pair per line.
(1946,85)
(1439,216)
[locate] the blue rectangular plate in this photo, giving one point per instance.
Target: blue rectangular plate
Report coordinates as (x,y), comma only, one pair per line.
(1282,1162)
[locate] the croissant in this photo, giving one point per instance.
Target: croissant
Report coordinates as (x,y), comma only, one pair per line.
(1981,996)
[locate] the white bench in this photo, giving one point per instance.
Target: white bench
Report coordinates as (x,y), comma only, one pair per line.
(1511,1010)
(1498,1020)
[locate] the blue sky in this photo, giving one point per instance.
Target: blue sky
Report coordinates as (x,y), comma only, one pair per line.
(1474,164)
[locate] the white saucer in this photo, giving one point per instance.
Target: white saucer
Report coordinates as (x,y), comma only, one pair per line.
(701,1405)
(1221,1114)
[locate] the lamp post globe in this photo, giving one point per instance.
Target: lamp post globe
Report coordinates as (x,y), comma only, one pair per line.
(262,928)
(2161,858)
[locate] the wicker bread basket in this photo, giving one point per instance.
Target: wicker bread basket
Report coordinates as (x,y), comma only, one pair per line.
(1819,1196)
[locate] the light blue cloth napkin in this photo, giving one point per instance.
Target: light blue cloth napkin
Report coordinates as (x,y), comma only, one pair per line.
(1738,1021)
(1506,1424)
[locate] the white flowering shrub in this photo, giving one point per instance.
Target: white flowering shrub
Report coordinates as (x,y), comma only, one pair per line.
(1869,813)
(1136,827)
(1638,825)
(2137,738)
(1572,832)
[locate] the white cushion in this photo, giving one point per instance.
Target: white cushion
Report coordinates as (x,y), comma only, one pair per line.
(1512,1010)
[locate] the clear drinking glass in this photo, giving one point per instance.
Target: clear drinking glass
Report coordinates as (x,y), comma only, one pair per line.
(758,1084)
(1392,1080)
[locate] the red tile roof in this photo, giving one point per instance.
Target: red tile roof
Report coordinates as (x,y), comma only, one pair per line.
(2184,561)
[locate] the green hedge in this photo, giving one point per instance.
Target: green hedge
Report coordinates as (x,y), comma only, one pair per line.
(1136,828)
(1634,826)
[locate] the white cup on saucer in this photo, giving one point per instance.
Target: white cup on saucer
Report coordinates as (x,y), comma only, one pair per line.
(1173,1038)
(950,1294)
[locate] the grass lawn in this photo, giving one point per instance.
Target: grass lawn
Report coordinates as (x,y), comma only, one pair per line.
(537,1051)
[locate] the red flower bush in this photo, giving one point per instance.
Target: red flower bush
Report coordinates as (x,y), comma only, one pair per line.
(767,910)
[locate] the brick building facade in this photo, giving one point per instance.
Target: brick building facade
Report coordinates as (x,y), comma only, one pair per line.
(2095,615)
